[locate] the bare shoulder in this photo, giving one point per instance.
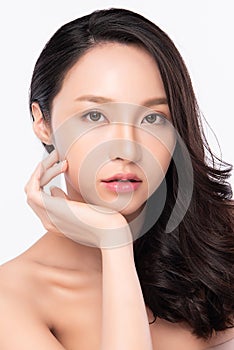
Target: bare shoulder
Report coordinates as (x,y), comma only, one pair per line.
(179,336)
(14,287)
(19,286)
(221,338)
(18,276)
(176,336)
(21,321)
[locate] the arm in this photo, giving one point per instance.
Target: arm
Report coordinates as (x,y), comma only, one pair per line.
(125,324)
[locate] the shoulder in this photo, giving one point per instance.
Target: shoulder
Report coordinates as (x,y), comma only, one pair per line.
(16,275)
(15,298)
(175,336)
(22,324)
(20,286)
(179,336)
(222,338)
(14,290)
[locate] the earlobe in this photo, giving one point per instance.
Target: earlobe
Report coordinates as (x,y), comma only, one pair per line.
(40,127)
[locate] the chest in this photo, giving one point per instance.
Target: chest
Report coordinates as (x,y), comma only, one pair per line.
(77,325)
(76,317)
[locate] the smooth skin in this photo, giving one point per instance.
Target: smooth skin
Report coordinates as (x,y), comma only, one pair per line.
(61,293)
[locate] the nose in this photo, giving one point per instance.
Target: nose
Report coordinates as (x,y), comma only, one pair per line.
(124,143)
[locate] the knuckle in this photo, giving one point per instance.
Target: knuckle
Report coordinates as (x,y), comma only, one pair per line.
(30,198)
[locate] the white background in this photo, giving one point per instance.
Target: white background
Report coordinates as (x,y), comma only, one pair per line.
(202,31)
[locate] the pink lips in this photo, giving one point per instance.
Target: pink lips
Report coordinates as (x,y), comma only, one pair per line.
(122,176)
(122,182)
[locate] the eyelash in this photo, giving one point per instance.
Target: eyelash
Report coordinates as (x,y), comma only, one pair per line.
(163,118)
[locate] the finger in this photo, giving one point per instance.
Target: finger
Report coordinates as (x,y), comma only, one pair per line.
(57,192)
(34,177)
(38,172)
(50,160)
(33,188)
(50,173)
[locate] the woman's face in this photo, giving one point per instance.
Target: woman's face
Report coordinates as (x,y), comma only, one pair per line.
(116,130)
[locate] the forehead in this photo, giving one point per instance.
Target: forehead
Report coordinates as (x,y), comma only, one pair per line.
(118,72)
(115,69)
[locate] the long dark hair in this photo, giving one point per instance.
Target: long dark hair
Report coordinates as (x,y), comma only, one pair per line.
(187,275)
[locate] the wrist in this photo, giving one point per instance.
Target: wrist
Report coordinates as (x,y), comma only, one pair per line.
(122,251)
(118,239)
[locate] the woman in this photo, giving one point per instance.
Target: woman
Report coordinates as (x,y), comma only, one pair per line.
(139,253)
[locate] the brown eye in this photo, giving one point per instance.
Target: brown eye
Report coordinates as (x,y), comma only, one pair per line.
(155,118)
(93,116)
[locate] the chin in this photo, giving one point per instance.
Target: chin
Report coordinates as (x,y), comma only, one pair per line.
(132,214)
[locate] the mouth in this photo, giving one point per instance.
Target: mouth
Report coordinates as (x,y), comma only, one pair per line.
(121,177)
(121,180)
(122,183)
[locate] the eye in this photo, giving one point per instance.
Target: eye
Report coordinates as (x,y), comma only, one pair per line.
(93,116)
(155,118)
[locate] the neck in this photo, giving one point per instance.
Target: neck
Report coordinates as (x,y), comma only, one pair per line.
(56,250)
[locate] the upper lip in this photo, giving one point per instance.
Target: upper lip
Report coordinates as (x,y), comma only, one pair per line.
(122,176)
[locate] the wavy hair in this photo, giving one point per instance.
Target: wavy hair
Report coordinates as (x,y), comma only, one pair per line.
(186,275)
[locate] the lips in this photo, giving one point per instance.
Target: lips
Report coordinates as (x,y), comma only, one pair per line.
(123,177)
(122,183)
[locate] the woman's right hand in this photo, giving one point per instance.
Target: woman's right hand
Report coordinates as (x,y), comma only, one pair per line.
(83,223)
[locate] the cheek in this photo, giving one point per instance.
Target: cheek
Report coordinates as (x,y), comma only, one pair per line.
(83,162)
(164,156)
(74,157)
(161,150)
(156,170)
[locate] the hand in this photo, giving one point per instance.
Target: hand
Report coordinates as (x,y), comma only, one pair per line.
(83,223)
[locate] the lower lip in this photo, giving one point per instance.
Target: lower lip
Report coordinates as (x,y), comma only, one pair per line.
(122,187)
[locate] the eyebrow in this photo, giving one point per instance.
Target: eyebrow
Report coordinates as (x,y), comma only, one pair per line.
(101,99)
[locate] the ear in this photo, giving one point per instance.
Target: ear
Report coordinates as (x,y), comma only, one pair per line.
(40,126)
